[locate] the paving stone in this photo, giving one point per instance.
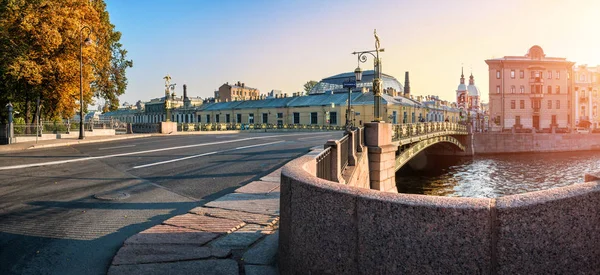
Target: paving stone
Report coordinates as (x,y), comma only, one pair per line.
(236,215)
(264,252)
(205,223)
(257,228)
(206,267)
(166,234)
(258,187)
(260,270)
(150,253)
(253,203)
(237,240)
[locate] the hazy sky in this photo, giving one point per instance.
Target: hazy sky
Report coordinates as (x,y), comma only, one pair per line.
(282,44)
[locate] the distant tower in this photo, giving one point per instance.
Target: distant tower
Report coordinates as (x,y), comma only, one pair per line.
(474,94)
(186,100)
(462,97)
(406,85)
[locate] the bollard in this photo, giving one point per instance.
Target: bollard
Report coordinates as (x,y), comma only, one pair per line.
(10,128)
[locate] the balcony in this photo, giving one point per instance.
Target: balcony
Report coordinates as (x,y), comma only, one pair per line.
(536,95)
(536,80)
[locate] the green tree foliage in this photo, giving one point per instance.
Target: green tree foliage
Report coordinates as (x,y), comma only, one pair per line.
(40,46)
(309,85)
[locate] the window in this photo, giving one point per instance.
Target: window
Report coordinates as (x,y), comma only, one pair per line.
(549,89)
(558,89)
(521,74)
(553,119)
(558,104)
(512,73)
(279,115)
(199,118)
(557,74)
(313,118)
(512,89)
(522,104)
(522,89)
(265,118)
(239,118)
(404,118)
(251,118)
(517,120)
(549,74)
(568,104)
(333,118)
(497,74)
(581,77)
(217,119)
(227,118)
(207,118)
(512,104)
(549,104)
(498,89)
(532,74)
(296,118)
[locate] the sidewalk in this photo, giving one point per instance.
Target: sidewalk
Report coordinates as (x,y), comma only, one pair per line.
(234,234)
(65,142)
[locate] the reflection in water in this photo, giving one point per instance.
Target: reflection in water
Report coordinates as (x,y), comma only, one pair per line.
(495,175)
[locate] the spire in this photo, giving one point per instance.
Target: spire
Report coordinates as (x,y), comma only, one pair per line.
(462,76)
(471,79)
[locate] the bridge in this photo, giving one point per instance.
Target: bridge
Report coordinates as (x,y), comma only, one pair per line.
(388,148)
(413,138)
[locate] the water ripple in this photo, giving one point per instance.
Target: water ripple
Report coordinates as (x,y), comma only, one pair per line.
(498,175)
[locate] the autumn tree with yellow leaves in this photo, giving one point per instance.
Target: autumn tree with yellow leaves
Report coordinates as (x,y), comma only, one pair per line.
(39,57)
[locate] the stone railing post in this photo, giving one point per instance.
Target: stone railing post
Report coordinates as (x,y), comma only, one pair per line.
(351,147)
(361,139)
(336,160)
(382,156)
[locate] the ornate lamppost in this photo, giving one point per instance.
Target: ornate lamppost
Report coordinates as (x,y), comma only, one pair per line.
(377,83)
(86,42)
(168,86)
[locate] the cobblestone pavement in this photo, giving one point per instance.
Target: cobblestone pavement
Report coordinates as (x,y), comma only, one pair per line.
(234,234)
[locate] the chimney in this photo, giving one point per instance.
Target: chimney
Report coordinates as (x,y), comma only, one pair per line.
(185,91)
(406,85)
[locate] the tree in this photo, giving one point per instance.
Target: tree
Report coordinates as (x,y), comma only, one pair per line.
(40,43)
(309,85)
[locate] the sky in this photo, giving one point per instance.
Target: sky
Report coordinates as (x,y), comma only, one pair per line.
(280,45)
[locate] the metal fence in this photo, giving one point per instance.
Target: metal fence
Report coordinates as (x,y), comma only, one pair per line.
(324,164)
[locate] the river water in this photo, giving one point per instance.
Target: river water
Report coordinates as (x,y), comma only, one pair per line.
(492,176)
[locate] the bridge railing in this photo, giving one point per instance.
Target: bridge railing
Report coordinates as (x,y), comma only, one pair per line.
(253,126)
(402,131)
(339,154)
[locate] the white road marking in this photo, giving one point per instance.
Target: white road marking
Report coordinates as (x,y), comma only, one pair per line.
(308,138)
(203,155)
(116,147)
(140,152)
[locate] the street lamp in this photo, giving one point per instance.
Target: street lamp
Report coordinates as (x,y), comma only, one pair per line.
(377,76)
(86,42)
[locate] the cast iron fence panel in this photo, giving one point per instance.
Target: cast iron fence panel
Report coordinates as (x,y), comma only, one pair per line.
(324,164)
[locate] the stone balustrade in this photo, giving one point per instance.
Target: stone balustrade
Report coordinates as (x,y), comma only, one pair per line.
(332,228)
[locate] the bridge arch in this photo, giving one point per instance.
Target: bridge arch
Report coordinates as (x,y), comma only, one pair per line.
(415,148)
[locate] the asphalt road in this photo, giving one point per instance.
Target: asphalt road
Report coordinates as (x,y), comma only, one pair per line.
(51,223)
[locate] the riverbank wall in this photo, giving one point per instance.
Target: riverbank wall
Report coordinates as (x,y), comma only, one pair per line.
(332,228)
(495,143)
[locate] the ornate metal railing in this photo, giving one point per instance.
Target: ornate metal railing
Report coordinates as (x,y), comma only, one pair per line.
(247,126)
(407,131)
(324,164)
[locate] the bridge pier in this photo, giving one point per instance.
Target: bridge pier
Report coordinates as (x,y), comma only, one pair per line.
(382,156)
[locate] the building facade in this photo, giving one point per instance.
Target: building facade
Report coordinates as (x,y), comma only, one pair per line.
(530,92)
(586,84)
(236,92)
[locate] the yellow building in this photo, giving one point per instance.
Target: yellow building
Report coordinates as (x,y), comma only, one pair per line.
(586,84)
